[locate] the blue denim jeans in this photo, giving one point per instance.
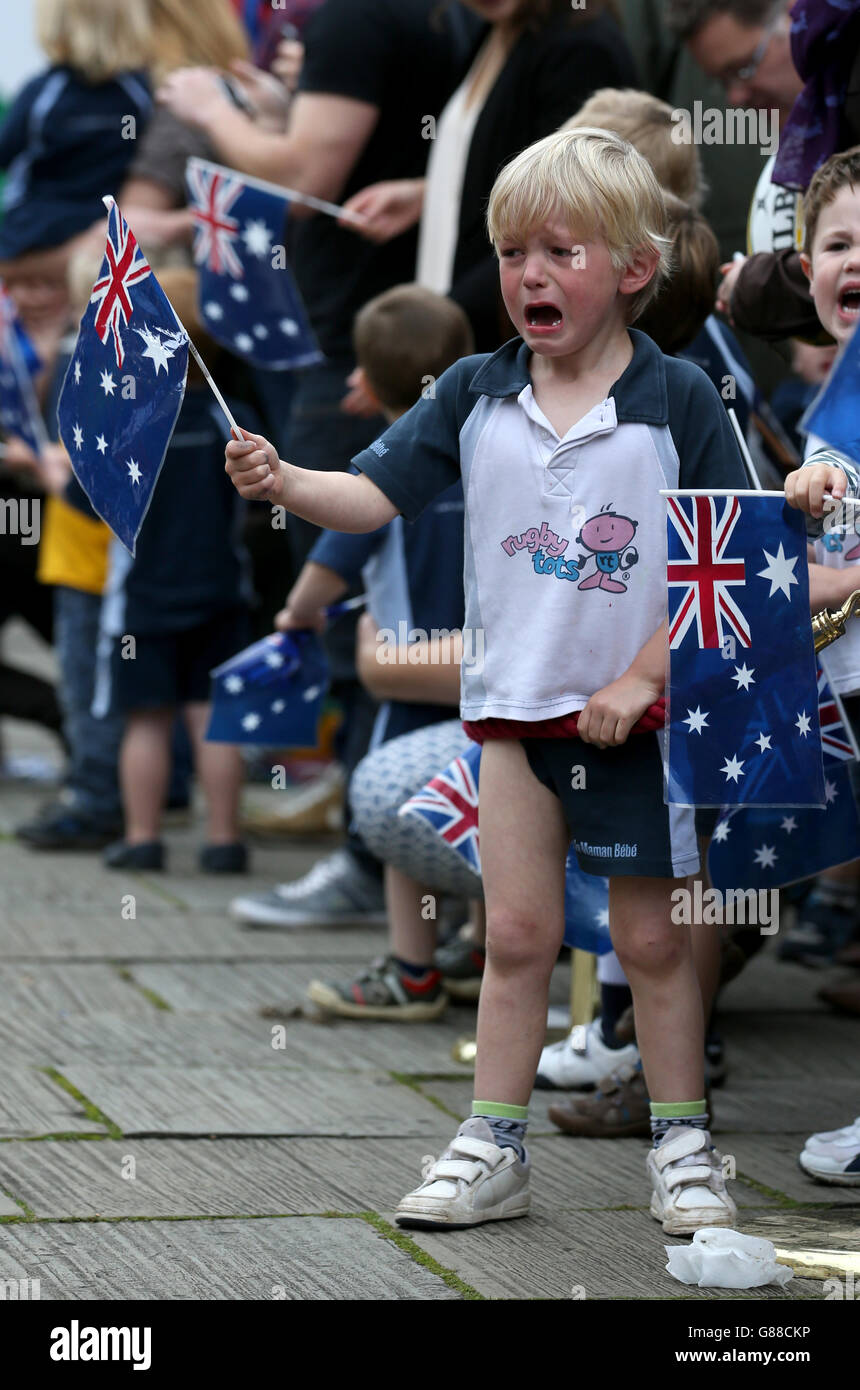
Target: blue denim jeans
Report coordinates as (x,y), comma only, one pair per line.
(93,743)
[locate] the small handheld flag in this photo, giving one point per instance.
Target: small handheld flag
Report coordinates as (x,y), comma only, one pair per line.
(743,703)
(449,804)
(271,693)
(833,415)
(125,385)
(248,297)
(19,361)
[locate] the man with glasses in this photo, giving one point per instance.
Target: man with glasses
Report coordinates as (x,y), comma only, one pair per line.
(745,45)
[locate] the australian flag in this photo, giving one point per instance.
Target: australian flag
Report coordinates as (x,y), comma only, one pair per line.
(248,297)
(763,848)
(743,704)
(449,803)
(833,414)
(271,693)
(124,386)
(19,362)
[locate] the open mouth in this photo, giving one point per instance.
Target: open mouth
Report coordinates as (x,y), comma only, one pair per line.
(548,316)
(849,301)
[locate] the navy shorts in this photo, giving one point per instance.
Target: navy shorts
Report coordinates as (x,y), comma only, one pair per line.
(170,669)
(613,804)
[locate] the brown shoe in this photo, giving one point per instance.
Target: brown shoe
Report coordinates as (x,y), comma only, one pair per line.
(618,1108)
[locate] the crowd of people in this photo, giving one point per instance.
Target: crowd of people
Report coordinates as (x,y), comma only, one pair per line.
(525,317)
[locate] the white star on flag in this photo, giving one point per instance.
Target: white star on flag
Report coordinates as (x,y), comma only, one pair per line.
(260,330)
(830,792)
(802,724)
(133,470)
(101,443)
(279,706)
(732,769)
(744,676)
(239,292)
(763,742)
(79,436)
(602,917)
(721,831)
(251,721)
(257,238)
(244,342)
(77,372)
(289,326)
(779,572)
(788,823)
(274,659)
(311,693)
(107,384)
(765,856)
(696,720)
(160,352)
(233,684)
(213,310)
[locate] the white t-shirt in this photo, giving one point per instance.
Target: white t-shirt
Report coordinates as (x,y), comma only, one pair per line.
(443,193)
(840,549)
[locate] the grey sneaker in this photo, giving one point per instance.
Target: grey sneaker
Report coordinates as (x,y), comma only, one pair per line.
(474,1181)
(335,892)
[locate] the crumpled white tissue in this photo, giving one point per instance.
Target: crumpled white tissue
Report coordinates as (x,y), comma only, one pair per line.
(721,1259)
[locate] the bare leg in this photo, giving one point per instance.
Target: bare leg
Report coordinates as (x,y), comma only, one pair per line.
(144,772)
(524,844)
(478,921)
(221,771)
(412,936)
(657,957)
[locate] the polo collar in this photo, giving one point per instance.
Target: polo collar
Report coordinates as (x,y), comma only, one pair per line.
(640,393)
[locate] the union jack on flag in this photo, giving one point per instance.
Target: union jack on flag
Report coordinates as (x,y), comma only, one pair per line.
(836,739)
(125,265)
(249,301)
(450,804)
(706,572)
(742,716)
(213,194)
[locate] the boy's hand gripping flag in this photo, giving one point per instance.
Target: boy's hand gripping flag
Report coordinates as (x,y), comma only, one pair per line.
(19,361)
(759,847)
(270,693)
(743,704)
(124,387)
(833,415)
(248,297)
(448,804)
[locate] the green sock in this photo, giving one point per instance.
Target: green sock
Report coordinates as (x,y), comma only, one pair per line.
(691,1114)
(508,1123)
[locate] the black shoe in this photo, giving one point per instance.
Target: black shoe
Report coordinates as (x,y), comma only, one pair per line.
(125,856)
(224,859)
(62,827)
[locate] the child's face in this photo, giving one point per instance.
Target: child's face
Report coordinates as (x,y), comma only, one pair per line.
(559,292)
(834,267)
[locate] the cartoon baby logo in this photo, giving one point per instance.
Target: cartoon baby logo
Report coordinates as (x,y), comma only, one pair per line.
(607,537)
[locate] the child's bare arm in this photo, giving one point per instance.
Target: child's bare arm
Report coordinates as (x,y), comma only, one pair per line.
(316,587)
(829,588)
(610,714)
(427,671)
(338,501)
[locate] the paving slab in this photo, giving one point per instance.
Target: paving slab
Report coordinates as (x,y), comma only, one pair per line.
(44,993)
(771,1159)
(32,1104)
(551,1254)
(771,1044)
(769,985)
(238,1100)
(225,987)
(786,1105)
(292,1258)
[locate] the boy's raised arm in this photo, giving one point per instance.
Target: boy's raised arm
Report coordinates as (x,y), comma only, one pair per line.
(338,501)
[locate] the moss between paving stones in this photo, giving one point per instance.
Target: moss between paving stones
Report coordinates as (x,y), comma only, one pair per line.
(91,1111)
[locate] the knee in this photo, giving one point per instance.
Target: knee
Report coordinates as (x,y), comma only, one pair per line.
(515,943)
(652,950)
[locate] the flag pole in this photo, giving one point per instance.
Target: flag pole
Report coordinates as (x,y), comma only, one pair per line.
(745,453)
(319,204)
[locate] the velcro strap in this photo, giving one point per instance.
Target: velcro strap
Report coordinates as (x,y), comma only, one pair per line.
(454,1168)
(693,1141)
(490,1154)
(696,1173)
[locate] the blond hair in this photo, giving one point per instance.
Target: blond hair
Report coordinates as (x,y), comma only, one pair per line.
(98,38)
(192,33)
(596,183)
(647,123)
